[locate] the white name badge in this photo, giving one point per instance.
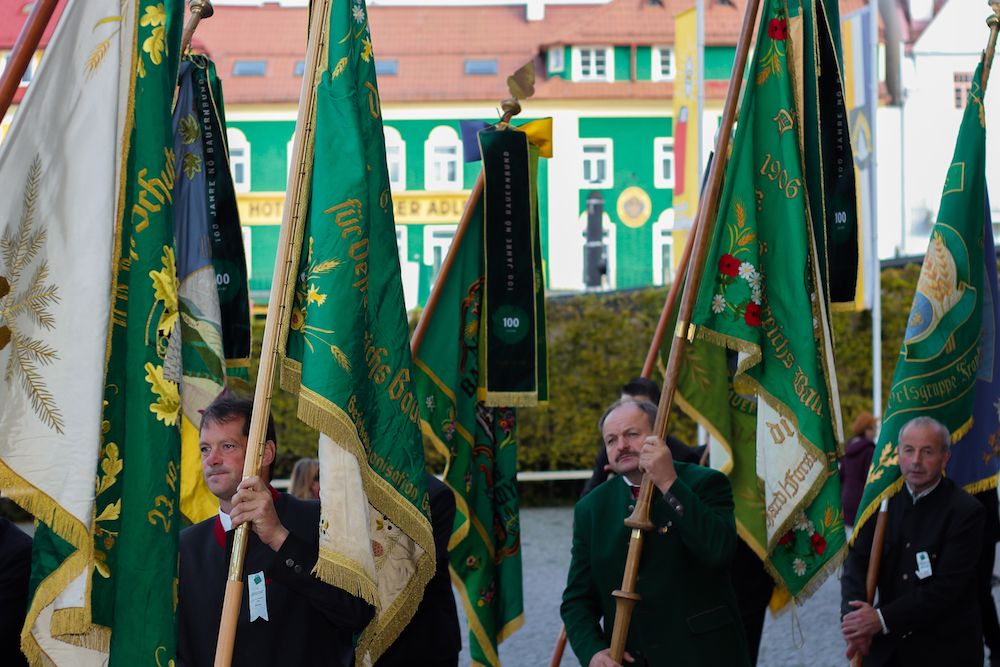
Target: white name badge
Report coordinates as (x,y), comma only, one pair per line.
(258,597)
(923,565)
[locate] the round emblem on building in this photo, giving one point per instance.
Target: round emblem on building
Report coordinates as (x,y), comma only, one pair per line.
(634,207)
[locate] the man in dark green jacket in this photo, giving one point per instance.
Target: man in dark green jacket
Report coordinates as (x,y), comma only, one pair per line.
(688,614)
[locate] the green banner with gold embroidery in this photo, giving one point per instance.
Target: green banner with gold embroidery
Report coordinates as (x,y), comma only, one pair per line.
(137,512)
(347,355)
(939,361)
(761,295)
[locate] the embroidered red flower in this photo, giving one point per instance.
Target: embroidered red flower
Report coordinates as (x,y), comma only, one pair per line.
(729,265)
(786,539)
(777,29)
(818,543)
(752,315)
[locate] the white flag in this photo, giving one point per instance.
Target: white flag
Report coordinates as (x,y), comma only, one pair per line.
(60,167)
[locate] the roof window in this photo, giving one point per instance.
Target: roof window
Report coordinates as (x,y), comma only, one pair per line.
(300,68)
(249,67)
(481,67)
(387,67)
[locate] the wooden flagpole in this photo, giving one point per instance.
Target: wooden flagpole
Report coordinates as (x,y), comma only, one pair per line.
(878,540)
(639,522)
(668,307)
(511,108)
(24,51)
(874,564)
(284,276)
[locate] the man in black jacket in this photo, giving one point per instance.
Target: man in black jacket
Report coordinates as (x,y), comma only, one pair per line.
(287,616)
(928,612)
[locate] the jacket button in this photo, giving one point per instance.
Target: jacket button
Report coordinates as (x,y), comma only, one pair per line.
(631,508)
(289,563)
(905,577)
(907,545)
(297,569)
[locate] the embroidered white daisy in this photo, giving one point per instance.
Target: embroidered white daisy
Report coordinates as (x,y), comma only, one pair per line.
(359,13)
(718,304)
(429,402)
(755,294)
(799,566)
(755,280)
(802,523)
(746,270)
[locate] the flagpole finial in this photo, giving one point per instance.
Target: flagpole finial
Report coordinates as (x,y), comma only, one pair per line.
(200,9)
(511,107)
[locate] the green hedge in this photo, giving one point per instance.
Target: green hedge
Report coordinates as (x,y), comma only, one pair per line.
(597,342)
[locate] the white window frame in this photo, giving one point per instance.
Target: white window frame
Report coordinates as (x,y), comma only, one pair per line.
(660,144)
(36,57)
(556,57)
(609,229)
(247,232)
(409,270)
(394,140)
(437,236)
(609,167)
(657,64)
(237,141)
(442,137)
(609,63)
(663,230)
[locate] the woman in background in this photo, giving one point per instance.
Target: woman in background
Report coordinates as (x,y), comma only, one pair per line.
(305,480)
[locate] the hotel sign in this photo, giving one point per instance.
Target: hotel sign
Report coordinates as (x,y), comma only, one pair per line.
(409,208)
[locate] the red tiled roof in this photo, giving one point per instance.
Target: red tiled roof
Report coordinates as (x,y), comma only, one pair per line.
(13,18)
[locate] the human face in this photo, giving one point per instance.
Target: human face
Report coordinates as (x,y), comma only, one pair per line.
(920,457)
(223,450)
(625,429)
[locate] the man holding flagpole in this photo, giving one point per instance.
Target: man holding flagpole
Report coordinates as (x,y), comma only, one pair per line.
(288,616)
(928,610)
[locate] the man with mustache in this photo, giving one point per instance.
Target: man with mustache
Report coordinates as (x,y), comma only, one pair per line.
(688,613)
(287,615)
(928,610)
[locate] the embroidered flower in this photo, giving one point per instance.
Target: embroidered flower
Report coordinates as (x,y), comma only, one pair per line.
(777,29)
(429,402)
(752,315)
(729,265)
(802,523)
(746,270)
(799,566)
(359,13)
(377,549)
(718,303)
(473,563)
(755,280)
(818,543)
(755,295)
(298,319)
(786,538)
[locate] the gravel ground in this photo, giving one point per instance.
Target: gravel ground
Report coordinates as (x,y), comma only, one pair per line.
(808,637)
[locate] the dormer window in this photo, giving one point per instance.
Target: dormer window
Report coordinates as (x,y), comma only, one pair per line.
(593,63)
(664,67)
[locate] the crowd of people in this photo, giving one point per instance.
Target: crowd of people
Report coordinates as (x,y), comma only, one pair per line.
(701,592)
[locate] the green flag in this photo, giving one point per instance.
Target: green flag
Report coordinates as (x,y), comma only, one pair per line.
(761,296)
(347,354)
(137,509)
(938,362)
(480,442)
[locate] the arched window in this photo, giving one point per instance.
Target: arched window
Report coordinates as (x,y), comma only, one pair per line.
(239,159)
(395,158)
(437,242)
(443,159)
(610,250)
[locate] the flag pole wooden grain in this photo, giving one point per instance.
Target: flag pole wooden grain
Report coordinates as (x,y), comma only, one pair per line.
(639,521)
(511,108)
(24,51)
(282,282)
